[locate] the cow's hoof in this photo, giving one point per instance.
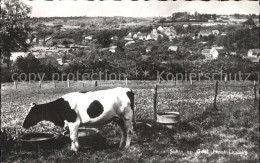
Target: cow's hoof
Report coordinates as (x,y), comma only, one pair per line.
(74,149)
(77,145)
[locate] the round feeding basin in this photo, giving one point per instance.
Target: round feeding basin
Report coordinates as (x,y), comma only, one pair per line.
(168,118)
(88,137)
(37,137)
(35,140)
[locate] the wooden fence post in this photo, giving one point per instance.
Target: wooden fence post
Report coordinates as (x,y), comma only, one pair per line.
(68,82)
(155,103)
(126,82)
(15,85)
(255,90)
(96,84)
(190,81)
(54,84)
(83,84)
(215,97)
(40,84)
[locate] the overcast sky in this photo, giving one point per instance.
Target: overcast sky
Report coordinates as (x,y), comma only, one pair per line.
(139,8)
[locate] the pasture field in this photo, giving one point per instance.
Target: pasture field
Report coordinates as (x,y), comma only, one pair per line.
(228,134)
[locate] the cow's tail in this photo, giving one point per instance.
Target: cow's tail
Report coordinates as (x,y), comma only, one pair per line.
(131,97)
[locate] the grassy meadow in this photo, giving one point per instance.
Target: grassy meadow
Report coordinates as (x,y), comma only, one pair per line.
(226,134)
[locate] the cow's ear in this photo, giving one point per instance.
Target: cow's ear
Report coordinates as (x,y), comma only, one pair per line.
(33,104)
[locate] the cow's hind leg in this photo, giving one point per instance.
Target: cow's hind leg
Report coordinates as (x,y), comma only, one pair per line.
(126,128)
(129,132)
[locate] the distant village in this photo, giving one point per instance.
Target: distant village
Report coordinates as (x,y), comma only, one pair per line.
(175,36)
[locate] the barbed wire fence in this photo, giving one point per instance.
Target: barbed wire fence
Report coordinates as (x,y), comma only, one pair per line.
(165,94)
(160,96)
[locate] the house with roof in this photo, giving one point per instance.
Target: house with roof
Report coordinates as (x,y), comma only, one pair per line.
(140,36)
(223,34)
(170,31)
(215,47)
(48,39)
(74,47)
(253,53)
(38,48)
(151,37)
(39,54)
(28,41)
(60,46)
(135,36)
(34,40)
(129,43)
(128,38)
(60,61)
(154,32)
(204,33)
(233,53)
(114,38)
(218,52)
(150,49)
(63,49)
(160,28)
(173,48)
(215,32)
(185,25)
(15,55)
(90,37)
(112,49)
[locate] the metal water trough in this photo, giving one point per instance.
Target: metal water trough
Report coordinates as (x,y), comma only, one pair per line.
(36,140)
(88,137)
(168,118)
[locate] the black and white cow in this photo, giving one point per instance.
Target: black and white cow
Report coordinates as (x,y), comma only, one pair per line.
(90,108)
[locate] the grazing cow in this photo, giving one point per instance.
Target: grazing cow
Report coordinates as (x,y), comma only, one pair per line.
(89,108)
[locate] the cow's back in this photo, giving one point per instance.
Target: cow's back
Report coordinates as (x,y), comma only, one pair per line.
(99,106)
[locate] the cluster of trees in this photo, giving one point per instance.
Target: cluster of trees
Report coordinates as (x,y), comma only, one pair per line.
(240,40)
(96,61)
(103,36)
(29,64)
(42,32)
(76,35)
(15,28)
(249,22)
(186,16)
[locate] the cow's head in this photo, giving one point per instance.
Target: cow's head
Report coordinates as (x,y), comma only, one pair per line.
(33,116)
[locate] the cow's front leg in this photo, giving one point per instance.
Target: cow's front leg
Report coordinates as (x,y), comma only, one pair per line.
(73,127)
(129,132)
(121,124)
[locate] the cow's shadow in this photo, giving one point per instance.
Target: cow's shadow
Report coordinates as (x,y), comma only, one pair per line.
(146,131)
